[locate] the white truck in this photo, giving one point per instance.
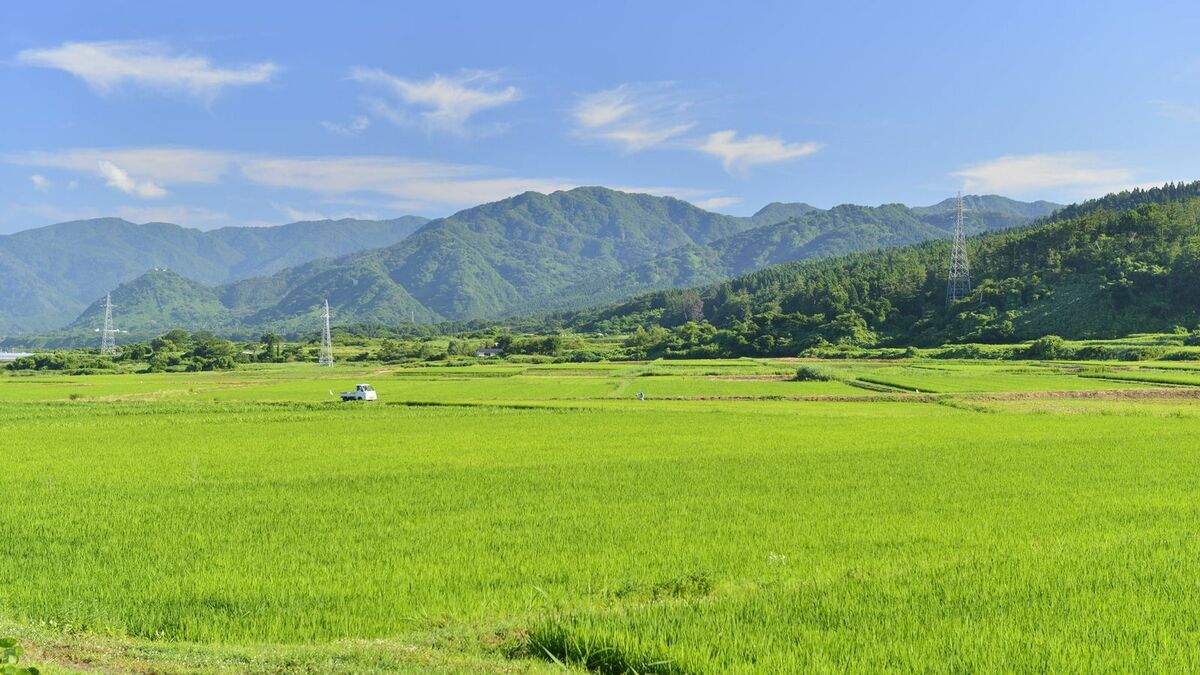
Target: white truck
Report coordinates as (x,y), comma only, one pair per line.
(362,392)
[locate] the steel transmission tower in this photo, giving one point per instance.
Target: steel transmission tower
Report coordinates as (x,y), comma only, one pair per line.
(108,336)
(959,283)
(326,358)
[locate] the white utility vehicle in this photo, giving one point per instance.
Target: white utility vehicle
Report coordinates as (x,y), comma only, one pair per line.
(362,392)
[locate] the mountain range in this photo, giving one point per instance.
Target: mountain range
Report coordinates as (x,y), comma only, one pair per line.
(532,252)
(48,275)
(1125,263)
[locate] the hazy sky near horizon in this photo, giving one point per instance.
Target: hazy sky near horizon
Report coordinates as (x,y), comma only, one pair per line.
(222,113)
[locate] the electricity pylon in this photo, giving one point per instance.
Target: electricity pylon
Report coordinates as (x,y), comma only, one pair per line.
(959,282)
(326,358)
(108,336)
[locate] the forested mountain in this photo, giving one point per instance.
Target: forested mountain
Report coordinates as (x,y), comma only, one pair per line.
(1002,206)
(488,260)
(816,233)
(156,302)
(535,252)
(49,274)
(1103,273)
(777,212)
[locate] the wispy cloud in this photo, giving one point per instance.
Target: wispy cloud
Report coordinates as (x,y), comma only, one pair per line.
(717,203)
(189,216)
(740,154)
(1076,172)
(634,116)
(140,172)
(106,66)
(370,181)
(121,180)
(356,125)
(442,102)
(1178,111)
(415,182)
(301,214)
(40,182)
(166,166)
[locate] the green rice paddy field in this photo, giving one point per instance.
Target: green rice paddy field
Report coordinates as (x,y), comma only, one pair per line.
(904,516)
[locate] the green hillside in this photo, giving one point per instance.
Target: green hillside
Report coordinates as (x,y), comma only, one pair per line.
(48,275)
(156,302)
(489,260)
(815,233)
(576,248)
(992,204)
(537,252)
(777,212)
(1101,274)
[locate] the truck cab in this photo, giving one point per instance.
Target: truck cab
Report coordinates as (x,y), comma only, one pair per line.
(362,392)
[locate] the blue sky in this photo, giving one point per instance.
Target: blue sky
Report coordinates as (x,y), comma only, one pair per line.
(246,113)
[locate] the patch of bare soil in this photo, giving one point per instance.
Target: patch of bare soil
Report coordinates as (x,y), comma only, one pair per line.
(1097,395)
(752,378)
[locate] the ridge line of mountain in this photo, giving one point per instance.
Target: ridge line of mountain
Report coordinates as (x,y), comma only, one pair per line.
(535,252)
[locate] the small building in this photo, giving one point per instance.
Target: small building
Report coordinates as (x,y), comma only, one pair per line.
(12,356)
(488,352)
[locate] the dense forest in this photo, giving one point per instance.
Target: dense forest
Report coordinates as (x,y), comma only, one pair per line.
(1121,264)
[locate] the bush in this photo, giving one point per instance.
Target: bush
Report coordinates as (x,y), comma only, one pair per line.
(10,656)
(1180,355)
(584,356)
(814,374)
(1050,347)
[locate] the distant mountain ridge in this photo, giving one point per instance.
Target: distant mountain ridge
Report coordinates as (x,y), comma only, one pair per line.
(529,253)
(49,274)
(1124,263)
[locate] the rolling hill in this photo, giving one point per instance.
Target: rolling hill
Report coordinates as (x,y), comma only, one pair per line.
(815,233)
(537,252)
(48,275)
(1124,263)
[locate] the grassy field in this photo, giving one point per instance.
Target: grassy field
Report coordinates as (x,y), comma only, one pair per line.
(501,518)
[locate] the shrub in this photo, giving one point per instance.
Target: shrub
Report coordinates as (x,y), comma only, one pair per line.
(1180,355)
(10,656)
(1050,347)
(814,374)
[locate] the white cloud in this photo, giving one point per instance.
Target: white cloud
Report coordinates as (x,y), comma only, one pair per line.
(295,214)
(446,102)
(741,154)
(106,66)
(405,184)
(1178,111)
(120,179)
(188,216)
(40,183)
(636,117)
(356,125)
(717,203)
(1078,172)
(411,181)
(165,166)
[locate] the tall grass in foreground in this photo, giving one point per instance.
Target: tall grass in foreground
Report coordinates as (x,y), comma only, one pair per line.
(656,536)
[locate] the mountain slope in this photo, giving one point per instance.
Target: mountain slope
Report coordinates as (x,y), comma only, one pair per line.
(814,234)
(1105,273)
(156,302)
(777,212)
(49,274)
(494,259)
(574,248)
(992,204)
